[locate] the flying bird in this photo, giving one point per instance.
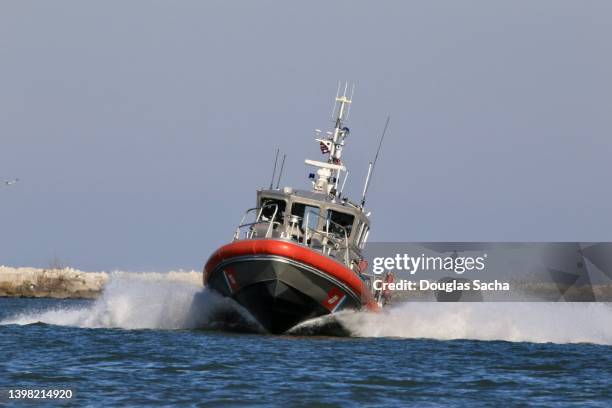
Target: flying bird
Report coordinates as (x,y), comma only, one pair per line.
(11,182)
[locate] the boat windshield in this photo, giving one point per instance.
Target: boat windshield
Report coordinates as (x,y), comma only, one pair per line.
(269,208)
(304,212)
(342,219)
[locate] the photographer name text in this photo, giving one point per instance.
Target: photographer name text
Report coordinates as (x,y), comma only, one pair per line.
(448,286)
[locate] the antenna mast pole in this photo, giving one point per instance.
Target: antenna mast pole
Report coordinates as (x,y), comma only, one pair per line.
(372,164)
(274,171)
(343,104)
(328,173)
(280,173)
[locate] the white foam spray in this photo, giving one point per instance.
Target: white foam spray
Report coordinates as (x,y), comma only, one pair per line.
(174,300)
(536,322)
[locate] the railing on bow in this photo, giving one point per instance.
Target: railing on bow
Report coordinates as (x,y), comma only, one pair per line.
(335,240)
(251,229)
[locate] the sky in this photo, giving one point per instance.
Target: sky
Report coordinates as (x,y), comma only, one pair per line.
(140,131)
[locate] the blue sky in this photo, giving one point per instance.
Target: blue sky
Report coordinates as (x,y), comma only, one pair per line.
(140,130)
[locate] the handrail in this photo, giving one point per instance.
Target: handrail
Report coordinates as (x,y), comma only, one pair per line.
(330,240)
(327,235)
(257,221)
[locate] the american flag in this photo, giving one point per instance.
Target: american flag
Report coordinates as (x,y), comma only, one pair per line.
(324,147)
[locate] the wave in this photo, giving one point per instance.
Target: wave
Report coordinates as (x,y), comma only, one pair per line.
(148,300)
(536,322)
(177,300)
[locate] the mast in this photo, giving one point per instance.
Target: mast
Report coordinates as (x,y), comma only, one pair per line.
(329,172)
(373,164)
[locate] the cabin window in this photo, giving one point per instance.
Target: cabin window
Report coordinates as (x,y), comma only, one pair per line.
(338,220)
(364,238)
(360,231)
(307,213)
(269,208)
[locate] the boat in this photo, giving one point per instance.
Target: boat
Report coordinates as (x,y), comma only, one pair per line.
(298,254)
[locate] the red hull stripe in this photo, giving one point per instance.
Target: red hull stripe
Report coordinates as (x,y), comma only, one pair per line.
(295,252)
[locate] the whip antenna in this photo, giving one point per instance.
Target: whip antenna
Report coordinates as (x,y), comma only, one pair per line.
(372,164)
(274,171)
(280,173)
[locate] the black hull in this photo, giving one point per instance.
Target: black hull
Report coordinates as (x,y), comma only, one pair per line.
(278,307)
(279,292)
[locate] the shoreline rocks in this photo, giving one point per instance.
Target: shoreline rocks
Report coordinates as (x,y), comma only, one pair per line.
(64,283)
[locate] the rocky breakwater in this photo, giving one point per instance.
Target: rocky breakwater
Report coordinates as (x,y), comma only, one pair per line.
(53,283)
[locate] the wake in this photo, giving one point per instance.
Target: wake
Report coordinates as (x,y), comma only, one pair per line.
(177,300)
(174,300)
(536,322)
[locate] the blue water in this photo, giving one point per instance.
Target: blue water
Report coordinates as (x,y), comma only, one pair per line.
(80,349)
